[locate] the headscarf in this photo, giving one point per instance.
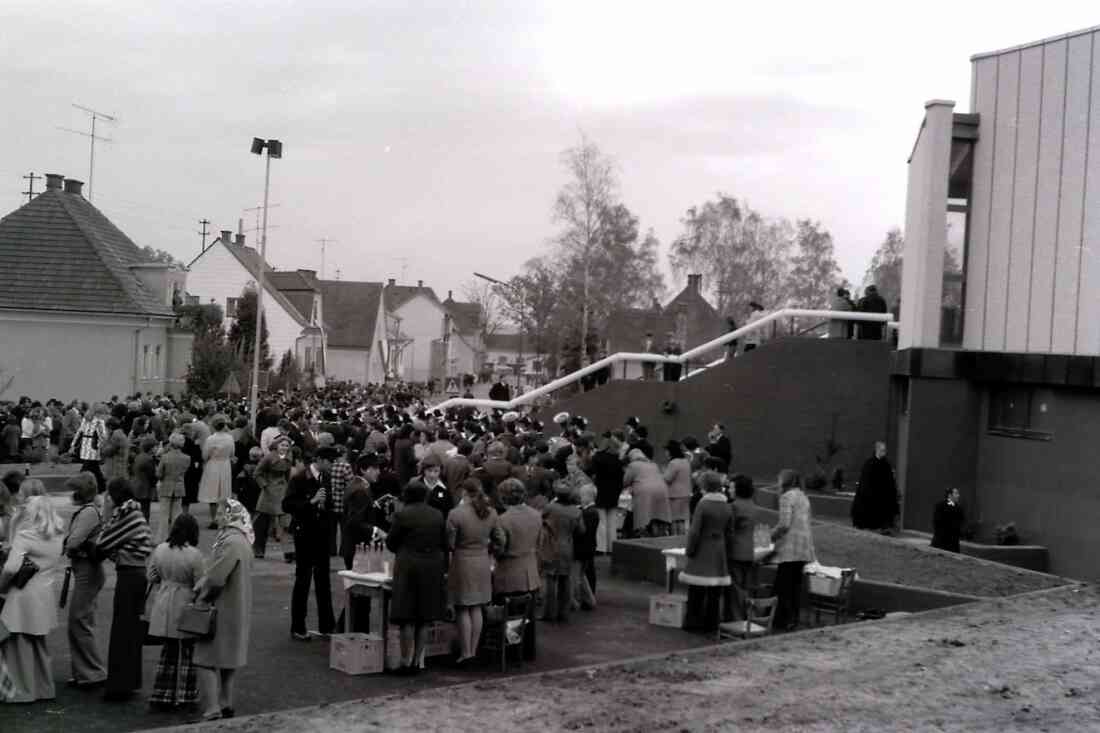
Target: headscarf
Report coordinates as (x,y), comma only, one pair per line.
(236,517)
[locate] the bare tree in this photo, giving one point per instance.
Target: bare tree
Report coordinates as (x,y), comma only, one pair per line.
(580,206)
(489,299)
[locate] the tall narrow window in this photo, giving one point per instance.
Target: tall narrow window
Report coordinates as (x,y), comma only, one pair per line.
(156,363)
(145,362)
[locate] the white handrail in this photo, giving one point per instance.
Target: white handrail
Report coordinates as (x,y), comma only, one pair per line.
(607,361)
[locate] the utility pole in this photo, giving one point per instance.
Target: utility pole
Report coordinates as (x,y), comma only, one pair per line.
(29,193)
(91,163)
(325,241)
(205,223)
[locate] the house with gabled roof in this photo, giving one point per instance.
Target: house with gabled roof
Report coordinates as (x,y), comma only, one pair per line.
(417,321)
(227,266)
(83,313)
(355,327)
(689,318)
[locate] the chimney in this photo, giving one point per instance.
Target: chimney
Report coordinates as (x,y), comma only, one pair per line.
(449,295)
(391,282)
(419,283)
(73,186)
(226,236)
(695,282)
(239,240)
(53,181)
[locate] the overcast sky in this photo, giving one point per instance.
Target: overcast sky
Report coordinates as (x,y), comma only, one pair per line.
(433,131)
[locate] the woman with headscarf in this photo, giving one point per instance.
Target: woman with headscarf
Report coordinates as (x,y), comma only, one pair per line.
(127,541)
(86,582)
(471,527)
(227,584)
(646,485)
(30,612)
(272,476)
(418,539)
(174,568)
(218,453)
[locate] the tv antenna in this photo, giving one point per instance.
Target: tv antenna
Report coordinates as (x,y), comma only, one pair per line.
(95,115)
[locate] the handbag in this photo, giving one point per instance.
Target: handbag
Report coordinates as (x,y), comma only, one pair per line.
(64,597)
(143,621)
(23,575)
(197,620)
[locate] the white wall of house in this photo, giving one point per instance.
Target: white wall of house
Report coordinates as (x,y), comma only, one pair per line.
(422,322)
(1032,276)
(83,357)
(217,275)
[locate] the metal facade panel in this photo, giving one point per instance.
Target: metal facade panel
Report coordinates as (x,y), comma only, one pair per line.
(985,104)
(1068,259)
(1028,116)
(1048,187)
(1004,179)
(1088,297)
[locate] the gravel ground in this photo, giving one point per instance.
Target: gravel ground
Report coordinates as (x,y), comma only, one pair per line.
(1026,663)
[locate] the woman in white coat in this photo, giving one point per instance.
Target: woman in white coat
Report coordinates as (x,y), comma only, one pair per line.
(218,452)
(174,568)
(30,612)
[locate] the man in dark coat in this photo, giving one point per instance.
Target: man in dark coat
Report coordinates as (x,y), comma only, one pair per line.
(309,501)
(871,302)
(719,446)
(876,502)
(500,391)
(947,522)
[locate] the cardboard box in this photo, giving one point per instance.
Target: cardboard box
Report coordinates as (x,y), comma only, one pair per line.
(822,585)
(357,653)
(668,610)
(441,640)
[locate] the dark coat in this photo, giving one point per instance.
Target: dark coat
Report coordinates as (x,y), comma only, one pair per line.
(517,568)
(607,474)
(358,516)
(875,505)
(584,548)
(947,524)
(745,517)
(872,303)
(709,543)
(720,448)
(418,540)
(310,520)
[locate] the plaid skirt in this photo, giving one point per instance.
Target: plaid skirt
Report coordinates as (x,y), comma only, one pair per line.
(175,682)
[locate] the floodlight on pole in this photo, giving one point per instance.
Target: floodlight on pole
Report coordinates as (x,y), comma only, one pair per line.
(522,316)
(274,150)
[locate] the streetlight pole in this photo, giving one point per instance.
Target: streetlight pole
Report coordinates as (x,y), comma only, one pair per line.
(274,150)
(522,317)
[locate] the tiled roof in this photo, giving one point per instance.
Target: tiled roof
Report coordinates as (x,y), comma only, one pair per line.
(627,328)
(58,252)
(250,260)
(466,316)
(508,342)
(399,295)
(292,280)
(351,309)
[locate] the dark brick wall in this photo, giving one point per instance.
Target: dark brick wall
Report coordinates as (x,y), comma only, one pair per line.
(779,404)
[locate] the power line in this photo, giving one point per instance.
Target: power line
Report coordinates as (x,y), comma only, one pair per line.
(29,193)
(95,116)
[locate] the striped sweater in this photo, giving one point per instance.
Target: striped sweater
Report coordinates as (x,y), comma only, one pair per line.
(127,539)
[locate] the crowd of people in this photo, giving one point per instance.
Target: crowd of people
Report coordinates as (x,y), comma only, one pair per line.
(475,507)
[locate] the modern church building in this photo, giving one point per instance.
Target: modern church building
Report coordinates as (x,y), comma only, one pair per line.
(995,386)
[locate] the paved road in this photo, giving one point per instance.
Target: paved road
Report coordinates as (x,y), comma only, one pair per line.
(285,674)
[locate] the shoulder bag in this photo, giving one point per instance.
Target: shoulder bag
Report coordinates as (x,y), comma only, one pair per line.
(25,572)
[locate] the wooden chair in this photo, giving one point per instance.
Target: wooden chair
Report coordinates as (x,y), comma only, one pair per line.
(759,615)
(839,605)
(515,613)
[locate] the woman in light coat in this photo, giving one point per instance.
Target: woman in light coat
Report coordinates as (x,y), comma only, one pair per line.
(272,476)
(227,584)
(652,515)
(218,453)
(794,547)
(171,484)
(678,477)
(471,526)
(115,452)
(174,568)
(30,612)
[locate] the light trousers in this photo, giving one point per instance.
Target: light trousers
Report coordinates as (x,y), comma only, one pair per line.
(168,508)
(87,661)
(607,532)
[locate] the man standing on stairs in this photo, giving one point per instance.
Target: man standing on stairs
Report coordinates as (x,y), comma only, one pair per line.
(755,337)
